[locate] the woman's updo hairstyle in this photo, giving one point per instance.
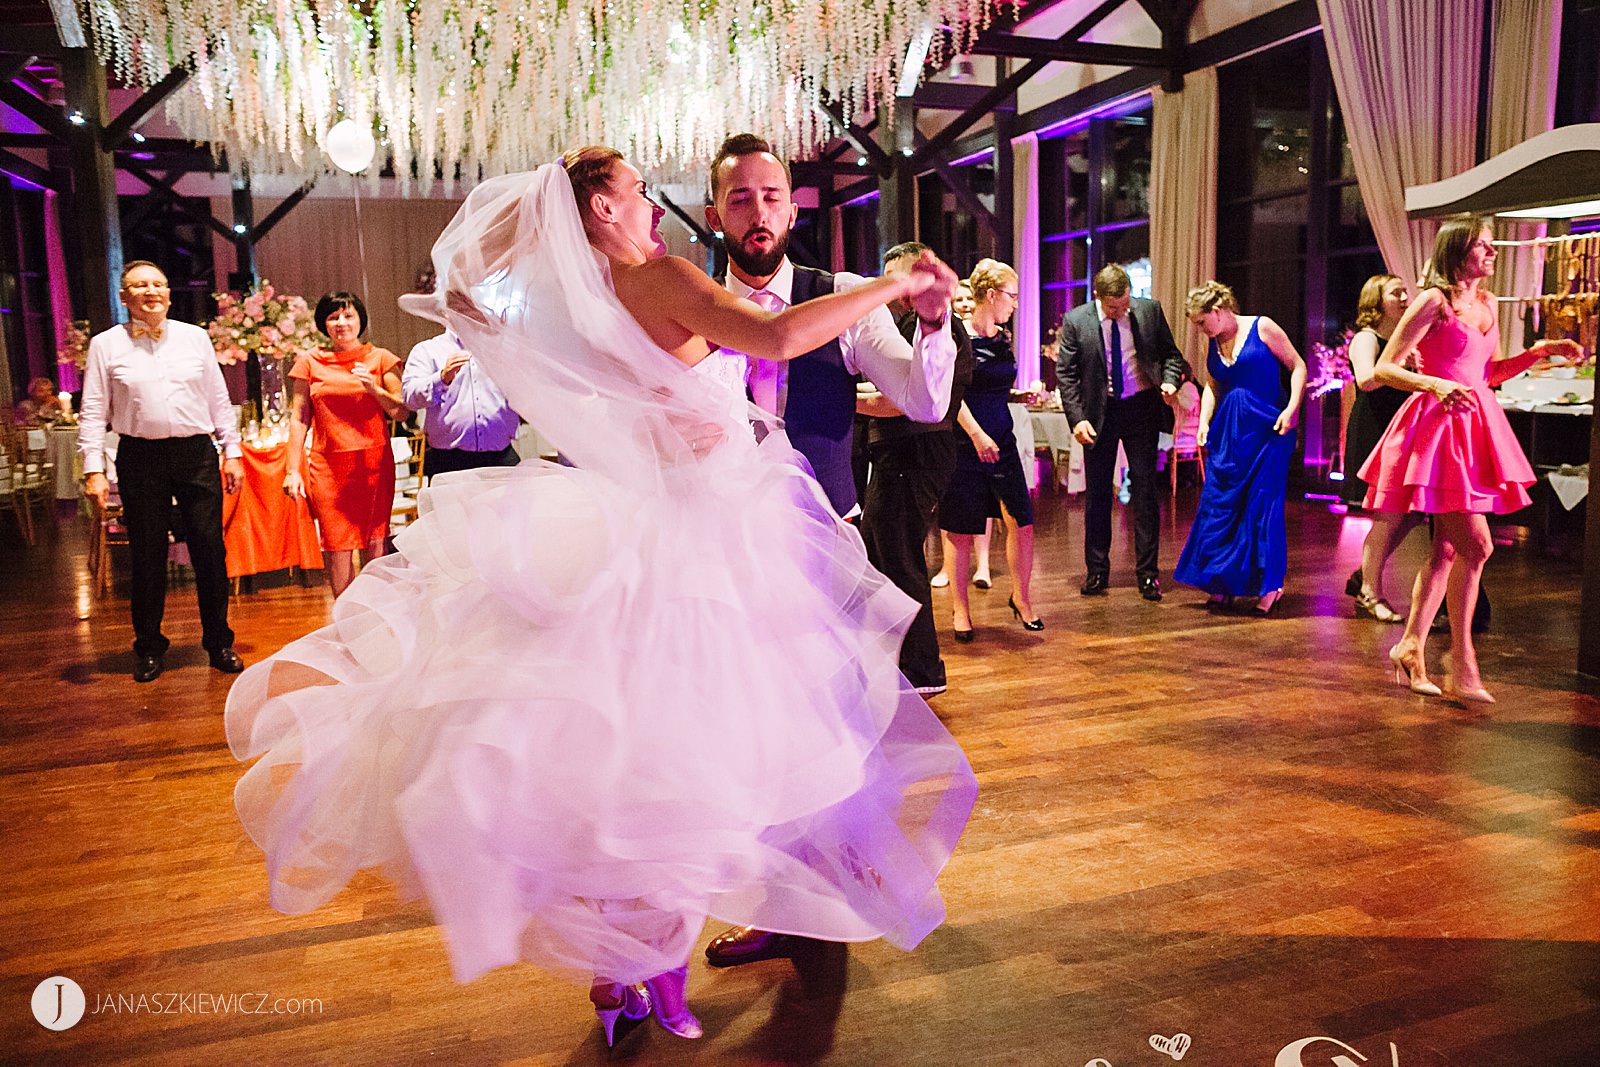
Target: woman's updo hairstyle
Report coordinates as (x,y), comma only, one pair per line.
(1211,296)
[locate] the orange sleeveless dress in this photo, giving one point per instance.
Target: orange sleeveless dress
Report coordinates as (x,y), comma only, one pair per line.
(349,467)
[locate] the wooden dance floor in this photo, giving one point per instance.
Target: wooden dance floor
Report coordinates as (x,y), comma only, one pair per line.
(1234,829)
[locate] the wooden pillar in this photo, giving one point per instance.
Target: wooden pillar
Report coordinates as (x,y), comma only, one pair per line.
(1005,223)
(245,276)
(897,189)
(95,215)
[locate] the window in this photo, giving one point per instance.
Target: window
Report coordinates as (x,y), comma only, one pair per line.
(1293,237)
(1094,209)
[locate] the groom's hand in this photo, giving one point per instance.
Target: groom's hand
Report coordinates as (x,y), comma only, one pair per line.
(938,286)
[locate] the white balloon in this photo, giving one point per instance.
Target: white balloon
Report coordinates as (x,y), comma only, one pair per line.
(350,145)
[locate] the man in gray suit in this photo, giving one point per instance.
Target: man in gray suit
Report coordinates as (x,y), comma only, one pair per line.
(1116,363)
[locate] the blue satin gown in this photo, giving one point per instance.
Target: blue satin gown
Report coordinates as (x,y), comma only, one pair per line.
(1238,544)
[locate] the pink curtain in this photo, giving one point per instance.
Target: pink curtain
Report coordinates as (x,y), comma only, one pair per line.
(68,377)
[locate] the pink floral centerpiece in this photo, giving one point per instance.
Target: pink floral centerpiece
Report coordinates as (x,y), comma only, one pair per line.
(72,355)
(264,322)
(1333,365)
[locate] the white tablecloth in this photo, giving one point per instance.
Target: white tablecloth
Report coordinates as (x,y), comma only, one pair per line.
(1051,428)
(61,448)
(1571,485)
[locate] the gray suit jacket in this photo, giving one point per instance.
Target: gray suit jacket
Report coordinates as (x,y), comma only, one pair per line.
(1081,358)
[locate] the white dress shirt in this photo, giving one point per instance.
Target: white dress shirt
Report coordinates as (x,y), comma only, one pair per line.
(915,378)
(153,389)
(1133,379)
(471,413)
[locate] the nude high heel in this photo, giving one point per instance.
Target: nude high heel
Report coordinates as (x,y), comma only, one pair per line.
(1480,695)
(666,996)
(632,1008)
(1409,672)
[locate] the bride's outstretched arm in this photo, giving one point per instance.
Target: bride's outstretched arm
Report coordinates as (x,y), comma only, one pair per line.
(671,292)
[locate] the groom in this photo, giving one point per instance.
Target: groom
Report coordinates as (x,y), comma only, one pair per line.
(753,207)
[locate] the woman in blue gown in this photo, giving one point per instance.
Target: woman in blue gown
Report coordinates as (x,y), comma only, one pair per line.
(1238,545)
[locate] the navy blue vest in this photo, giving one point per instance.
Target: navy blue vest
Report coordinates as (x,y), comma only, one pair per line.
(820,411)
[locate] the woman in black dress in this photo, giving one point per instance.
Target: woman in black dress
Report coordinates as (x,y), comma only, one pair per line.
(988,479)
(1383,300)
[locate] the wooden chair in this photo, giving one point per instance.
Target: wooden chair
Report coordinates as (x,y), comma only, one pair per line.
(1185,421)
(27,477)
(409,453)
(107,529)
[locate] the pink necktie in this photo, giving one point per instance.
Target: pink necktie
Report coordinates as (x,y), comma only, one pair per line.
(766,376)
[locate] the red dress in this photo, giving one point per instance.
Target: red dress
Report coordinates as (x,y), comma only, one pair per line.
(1436,459)
(349,466)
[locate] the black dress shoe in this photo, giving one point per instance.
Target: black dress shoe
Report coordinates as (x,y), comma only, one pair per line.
(227,661)
(1094,585)
(964,637)
(746,944)
(1150,589)
(148,669)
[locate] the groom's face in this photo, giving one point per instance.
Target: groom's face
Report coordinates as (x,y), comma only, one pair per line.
(755,210)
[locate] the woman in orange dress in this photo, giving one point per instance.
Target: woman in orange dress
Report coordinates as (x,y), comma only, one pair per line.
(345,397)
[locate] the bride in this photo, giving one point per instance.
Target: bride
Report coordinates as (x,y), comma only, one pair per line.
(583,709)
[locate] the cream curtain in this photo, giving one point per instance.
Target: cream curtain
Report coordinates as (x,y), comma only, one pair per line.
(1183,199)
(1025,252)
(1522,104)
(1407,79)
(314,250)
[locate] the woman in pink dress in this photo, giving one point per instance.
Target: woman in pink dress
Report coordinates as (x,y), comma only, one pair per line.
(1449,451)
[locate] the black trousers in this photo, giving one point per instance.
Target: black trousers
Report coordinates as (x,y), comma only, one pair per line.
(151,475)
(445,460)
(909,475)
(1135,422)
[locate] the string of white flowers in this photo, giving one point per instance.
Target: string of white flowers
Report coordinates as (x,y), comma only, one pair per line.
(472,88)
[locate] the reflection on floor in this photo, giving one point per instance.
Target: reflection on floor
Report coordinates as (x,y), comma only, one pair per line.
(1201,837)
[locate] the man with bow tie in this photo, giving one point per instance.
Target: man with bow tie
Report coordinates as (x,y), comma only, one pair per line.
(157,384)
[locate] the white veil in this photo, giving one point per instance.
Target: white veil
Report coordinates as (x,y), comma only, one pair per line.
(530,298)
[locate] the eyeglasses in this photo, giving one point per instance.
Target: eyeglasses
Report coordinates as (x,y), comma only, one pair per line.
(1008,292)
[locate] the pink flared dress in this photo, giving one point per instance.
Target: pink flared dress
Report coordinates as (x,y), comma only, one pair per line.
(1436,459)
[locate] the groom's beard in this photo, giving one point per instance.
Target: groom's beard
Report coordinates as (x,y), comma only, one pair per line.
(754,263)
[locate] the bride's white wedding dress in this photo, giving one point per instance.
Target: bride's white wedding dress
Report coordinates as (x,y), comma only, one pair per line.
(583,709)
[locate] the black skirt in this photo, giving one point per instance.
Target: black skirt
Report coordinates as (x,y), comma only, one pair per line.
(1369,418)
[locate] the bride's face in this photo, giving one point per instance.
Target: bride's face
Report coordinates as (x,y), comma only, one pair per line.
(634,214)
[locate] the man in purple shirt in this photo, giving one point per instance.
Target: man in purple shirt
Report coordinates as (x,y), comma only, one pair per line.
(465,416)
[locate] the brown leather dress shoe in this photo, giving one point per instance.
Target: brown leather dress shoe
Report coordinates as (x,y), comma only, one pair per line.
(746,944)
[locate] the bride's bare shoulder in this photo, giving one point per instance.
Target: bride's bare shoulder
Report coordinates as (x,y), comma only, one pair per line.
(674,269)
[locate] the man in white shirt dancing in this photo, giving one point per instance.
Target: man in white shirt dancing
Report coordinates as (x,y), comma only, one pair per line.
(157,384)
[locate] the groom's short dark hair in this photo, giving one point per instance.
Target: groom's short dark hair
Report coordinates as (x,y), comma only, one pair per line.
(745,144)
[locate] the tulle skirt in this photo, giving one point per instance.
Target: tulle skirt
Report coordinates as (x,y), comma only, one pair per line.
(580,721)
(1434,459)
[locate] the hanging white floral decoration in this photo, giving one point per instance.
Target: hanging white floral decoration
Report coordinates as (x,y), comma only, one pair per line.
(481,87)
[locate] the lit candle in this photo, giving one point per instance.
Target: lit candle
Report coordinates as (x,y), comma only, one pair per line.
(66,402)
